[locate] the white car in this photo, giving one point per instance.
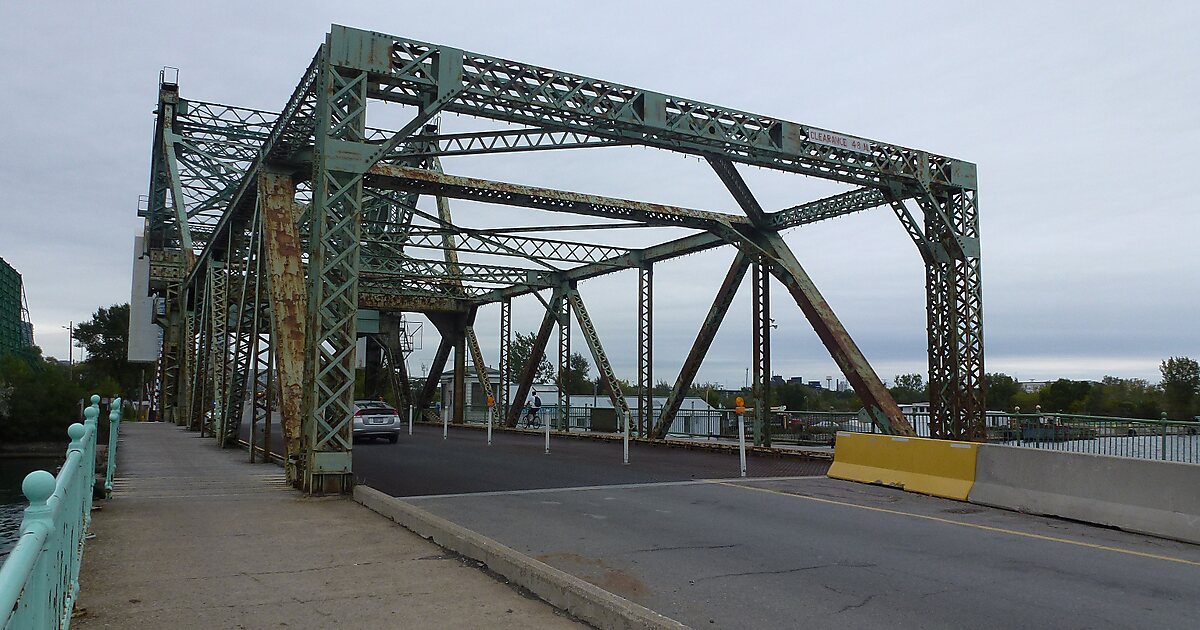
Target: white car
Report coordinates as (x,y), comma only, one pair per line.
(376,419)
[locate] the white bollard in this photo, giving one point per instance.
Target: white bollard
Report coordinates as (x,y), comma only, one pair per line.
(742,441)
(547,421)
(445,422)
(625,439)
(490,426)
(410,419)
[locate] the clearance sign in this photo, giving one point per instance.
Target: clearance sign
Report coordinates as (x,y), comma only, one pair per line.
(830,139)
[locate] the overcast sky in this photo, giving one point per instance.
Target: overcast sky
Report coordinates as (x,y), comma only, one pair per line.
(1082,118)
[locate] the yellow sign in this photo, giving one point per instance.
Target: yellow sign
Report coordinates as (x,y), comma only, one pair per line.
(739,405)
(491,401)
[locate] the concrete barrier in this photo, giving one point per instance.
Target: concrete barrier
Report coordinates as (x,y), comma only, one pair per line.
(560,589)
(1138,495)
(941,468)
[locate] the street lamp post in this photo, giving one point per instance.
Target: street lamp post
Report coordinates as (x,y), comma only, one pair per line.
(70,328)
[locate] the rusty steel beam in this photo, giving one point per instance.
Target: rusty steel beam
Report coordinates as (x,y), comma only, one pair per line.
(460,379)
(738,188)
(529,370)
(482,190)
(374,297)
(435,372)
(821,209)
(704,339)
(880,405)
(485,383)
(603,366)
(289,303)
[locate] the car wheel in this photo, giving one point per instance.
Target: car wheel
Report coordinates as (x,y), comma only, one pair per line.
(392,439)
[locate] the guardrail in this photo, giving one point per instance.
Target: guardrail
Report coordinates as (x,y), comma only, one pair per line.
(1166,440)
(40,579)
(1140,438)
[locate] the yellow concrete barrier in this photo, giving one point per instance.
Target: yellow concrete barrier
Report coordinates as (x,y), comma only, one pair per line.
(941,468)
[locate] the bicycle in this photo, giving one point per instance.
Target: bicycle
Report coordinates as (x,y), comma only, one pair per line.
(530,418)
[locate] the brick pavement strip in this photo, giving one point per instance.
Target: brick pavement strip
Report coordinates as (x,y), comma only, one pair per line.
(195,537)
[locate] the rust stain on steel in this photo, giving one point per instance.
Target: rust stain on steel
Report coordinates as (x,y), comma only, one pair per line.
(412,303)
(289,300)
(845,352)
(420,180)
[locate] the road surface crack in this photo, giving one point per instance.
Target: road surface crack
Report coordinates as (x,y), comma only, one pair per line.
(858,605)
(785,571)
(684,547)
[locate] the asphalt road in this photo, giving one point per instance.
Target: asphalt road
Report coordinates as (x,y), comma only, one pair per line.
(823,553)
(676,531)
(424,463)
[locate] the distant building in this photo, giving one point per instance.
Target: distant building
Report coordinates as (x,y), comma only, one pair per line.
(815,384)
(16,331)
(796,380)
(777,380)
(1030,387)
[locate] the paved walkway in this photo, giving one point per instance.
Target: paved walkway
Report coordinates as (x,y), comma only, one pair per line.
(195,537)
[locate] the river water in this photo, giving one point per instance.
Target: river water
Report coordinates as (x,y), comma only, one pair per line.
(12,502)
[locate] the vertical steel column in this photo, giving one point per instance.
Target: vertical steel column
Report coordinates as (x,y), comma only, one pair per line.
(287,304)
(761,301)
(458,416)
(502,400)
(563,309)
(218,309)
(170,358)
(201,379)
(187,365)
(957,396)
(645,349)
(247,253)
(336,214)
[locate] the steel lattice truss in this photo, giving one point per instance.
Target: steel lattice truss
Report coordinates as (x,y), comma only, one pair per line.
(269,232)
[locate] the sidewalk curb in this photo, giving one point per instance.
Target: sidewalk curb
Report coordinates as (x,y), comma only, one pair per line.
(558,588)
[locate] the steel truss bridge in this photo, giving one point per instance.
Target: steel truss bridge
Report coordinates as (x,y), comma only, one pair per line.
(270,233)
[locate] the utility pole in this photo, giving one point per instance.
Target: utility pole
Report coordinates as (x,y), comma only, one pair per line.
(70,328)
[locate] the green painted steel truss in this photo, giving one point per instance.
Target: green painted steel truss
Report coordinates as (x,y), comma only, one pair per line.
(353,194)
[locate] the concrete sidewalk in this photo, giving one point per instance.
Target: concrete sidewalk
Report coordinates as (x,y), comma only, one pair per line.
(195,537)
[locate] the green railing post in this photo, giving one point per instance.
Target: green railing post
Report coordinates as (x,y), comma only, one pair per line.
(38,521)
(89,459)
(1163,426)
(114,426)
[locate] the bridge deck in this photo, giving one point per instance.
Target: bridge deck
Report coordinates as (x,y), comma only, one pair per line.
(776,552)
(198,538)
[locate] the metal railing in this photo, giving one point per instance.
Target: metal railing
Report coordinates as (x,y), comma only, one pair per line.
(1165,440)
(40,579)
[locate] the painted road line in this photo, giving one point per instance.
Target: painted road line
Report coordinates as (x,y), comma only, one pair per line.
(989,528)
(615,486)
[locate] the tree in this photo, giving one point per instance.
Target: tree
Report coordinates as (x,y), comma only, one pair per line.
(908,388)
(1001,388)
(519,353)
(1180,384)
(38,399)
(1065,395)
(577,381)
(106,338)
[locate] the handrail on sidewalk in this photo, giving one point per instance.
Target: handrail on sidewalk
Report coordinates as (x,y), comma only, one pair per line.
(40,579)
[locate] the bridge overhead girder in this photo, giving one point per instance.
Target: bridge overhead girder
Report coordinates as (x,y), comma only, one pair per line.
(333,207)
